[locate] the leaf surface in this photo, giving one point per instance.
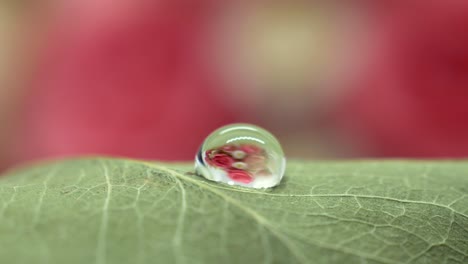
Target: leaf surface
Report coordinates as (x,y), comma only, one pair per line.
(102,210)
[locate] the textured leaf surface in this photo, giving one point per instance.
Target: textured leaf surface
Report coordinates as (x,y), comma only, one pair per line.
(123,211)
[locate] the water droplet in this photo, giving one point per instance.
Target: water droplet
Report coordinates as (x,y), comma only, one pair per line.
(241,154)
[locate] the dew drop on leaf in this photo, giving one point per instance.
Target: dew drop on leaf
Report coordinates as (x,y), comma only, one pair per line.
(241,154)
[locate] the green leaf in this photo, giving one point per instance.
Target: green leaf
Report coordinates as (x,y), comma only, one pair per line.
(126,211)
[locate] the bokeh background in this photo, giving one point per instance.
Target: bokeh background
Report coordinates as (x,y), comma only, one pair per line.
(151,79)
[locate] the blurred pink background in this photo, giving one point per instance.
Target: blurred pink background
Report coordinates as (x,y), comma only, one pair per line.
(331,79)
